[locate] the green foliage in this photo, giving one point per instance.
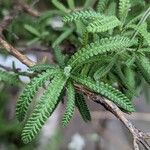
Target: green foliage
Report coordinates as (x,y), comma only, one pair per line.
(101,6)
(142,30)
(63,36)
(44,108)
(71,4)
(103,70)
(103,50)
(32,30)
(103,25)
(70,106)
(100,47)
(82,107)
(43,67)
(107,91)
(143,64)
(58,56)
(9,78)
(123,79)
(80,15)
(112,9)
(124,7)
(30,91)
(60,6)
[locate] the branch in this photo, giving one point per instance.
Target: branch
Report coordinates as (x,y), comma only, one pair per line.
(23,58)
(139,137)
(28,9)
(9,48)
(102,115)
(18,71)
(17,7)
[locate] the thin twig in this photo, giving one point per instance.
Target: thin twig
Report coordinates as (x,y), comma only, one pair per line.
(18,71)
(23,58)
(27,8)
(106,115)
(138,136)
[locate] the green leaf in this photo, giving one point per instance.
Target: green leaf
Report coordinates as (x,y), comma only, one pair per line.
(142,30)
(123,79)
(71,4)
(32,30)
(81,15)
(60,58)
(10,78)
(103,25)
(82,107)
(124,7)
(60,6)
(89,3)
(144,50)
(100,47)
(30,91)
(107,91)
(43,67)
(102,71)
(44,108)
(62,37)
(70,106)
(112,9)
(143,65)
(101,6)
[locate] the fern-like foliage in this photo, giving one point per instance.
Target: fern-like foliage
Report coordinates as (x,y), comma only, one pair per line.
(134,20)
(83,14)
(43,67)
(71,4)
(107,91)
(142,30)
(82,107)
(103,25)
(10,78)
(143,65)
(124,7)
(123,79)
(44,108)
(101,6)
(102,71)
(100,47)
(85,37)
(63,36)
(70,106)
(60,6)
(112,9)
(99,50)
(144,50)
(60,59)
(30,91)
(130,77)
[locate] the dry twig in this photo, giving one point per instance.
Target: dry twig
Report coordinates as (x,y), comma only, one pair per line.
(9,48)
(23,58)
(139,137)
(29,9)
(96,115)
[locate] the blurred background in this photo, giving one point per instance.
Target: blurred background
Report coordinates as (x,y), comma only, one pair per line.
(32,36)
